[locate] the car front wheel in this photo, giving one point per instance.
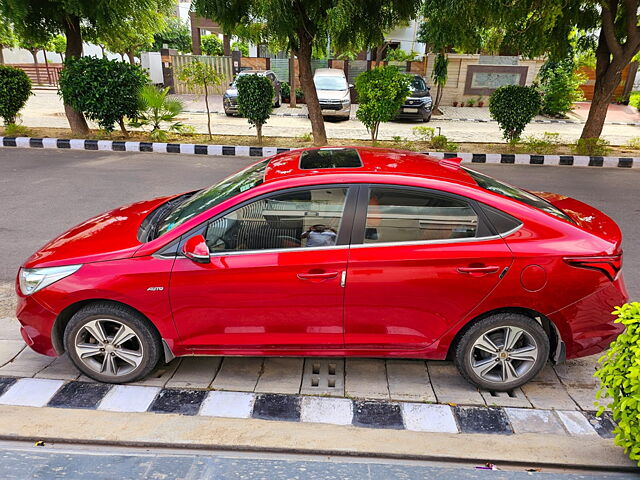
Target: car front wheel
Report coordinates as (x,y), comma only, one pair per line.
(112,343)
(502,352)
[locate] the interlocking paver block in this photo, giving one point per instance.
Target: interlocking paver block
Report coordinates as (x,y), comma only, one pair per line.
(280,375)
(195,372)
(10,349)
(409,381)
(546,391)
(238,374)
(323,376)
(61,369)
(26,364)
(450,387)
(366,378)
(160,376)
(515,398)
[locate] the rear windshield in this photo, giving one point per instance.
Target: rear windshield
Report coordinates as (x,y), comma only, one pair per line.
(209,197)
(516,193)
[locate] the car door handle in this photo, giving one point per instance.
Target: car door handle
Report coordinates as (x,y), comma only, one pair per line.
(479,270)
(318,276)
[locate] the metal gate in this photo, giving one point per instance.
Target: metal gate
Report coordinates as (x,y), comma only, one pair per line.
(222,65)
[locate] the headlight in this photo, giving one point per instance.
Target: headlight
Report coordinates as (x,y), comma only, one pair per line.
(34,279)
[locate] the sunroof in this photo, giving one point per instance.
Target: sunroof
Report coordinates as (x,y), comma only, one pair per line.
(330,158)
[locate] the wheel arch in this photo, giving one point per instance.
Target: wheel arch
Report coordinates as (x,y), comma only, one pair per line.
(63,318)
(556,345)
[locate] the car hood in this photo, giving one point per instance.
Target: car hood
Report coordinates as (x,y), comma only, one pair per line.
(108,236)
(419,94)
(332,94)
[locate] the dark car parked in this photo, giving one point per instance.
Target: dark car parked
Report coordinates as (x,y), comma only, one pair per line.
(419,102)
(230,97)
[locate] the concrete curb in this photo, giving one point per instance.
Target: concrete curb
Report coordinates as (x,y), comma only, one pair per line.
(199,433)
(259,152)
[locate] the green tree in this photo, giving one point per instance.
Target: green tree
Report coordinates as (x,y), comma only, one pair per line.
(255,100)
(381,93)
(202,75)
(212,45)
(15,89)
(106,91)
(7,38)
(45,18)
(304,25)
(176,35)
(439,75)
(243,47)
(58,44)
(560,87)
(538,27)
(513,107)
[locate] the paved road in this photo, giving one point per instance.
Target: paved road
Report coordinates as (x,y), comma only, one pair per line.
(43,193)
(75,463)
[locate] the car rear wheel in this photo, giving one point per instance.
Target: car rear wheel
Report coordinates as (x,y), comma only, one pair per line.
(278,102)
(502,352)
(111,343)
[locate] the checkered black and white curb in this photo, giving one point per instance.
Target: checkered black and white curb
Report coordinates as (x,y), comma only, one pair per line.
(420,417)
(550,120)
(248,151)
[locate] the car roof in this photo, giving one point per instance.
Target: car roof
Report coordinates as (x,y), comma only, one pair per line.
(329,72)
(375,161)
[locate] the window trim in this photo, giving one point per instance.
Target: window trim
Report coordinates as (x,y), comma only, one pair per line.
(360,220)
(344,235)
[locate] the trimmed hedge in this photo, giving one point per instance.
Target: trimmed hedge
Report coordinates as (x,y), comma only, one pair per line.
(15,90)
(513,107)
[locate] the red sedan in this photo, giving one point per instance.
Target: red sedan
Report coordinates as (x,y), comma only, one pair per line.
(334,252)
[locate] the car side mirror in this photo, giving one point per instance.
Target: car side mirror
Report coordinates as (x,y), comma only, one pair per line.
(196,250)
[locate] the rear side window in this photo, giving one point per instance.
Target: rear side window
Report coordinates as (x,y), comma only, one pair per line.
(398,215)
(516,193)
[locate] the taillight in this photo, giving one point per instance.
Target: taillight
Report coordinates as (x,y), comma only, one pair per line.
(610,265)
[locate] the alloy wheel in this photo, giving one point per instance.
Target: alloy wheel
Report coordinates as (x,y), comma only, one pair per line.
(109,347)
(503,354)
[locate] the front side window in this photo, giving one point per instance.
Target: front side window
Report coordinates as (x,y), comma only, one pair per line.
(399,215)
(205,199)
(298,219)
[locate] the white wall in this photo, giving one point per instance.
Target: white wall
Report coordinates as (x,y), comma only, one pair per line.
(407,37)
(20,55)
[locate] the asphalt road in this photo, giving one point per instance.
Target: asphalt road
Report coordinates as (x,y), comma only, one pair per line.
(45,192)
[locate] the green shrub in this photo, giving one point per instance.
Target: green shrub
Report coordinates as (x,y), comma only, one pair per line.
(545,145)
(15,89)
(13,130)
(593,147)
(105,91)
(399,55)
(634,143)
(381,93)
(634,100)
(619,375)
(513,107)
(242,47)
(156,110)
(211,45)
(560,87)
(441,142)
(423,134)
(255,100)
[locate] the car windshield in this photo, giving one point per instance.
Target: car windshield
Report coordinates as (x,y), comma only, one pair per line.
(240,182)
(417,84)
(330,83)
(516,193)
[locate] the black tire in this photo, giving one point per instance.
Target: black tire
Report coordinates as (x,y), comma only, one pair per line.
(466,352)
(427,118)
(146,343)
(228,114)
(278,102)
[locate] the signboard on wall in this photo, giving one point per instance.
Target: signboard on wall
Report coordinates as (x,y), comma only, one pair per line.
(484,79)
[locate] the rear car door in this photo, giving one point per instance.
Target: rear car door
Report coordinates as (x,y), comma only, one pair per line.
(420,261)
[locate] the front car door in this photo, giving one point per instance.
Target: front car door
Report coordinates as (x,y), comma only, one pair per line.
(420,261)
(275,276)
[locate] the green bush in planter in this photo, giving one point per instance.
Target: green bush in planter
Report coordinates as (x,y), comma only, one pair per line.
(106,91)
(255,100)
(15,89)
(619,375)
(513,107)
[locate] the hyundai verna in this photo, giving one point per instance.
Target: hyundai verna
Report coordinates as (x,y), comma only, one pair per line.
(356,252)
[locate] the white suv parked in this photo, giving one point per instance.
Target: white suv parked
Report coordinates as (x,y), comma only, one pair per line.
(333,92)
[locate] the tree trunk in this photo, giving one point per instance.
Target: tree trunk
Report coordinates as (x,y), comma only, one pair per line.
(132,58)
(293,101)
(76,120)
(259,130)
(1,54)
(123,128)
(308,87)
(226,45)
(206,102)
(104,55)
(34,54)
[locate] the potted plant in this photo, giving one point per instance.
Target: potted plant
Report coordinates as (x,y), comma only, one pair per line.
(471,102)
(480,102)
(461,104)
(455,103)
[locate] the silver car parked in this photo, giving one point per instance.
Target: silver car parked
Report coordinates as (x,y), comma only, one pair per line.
(333,92)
